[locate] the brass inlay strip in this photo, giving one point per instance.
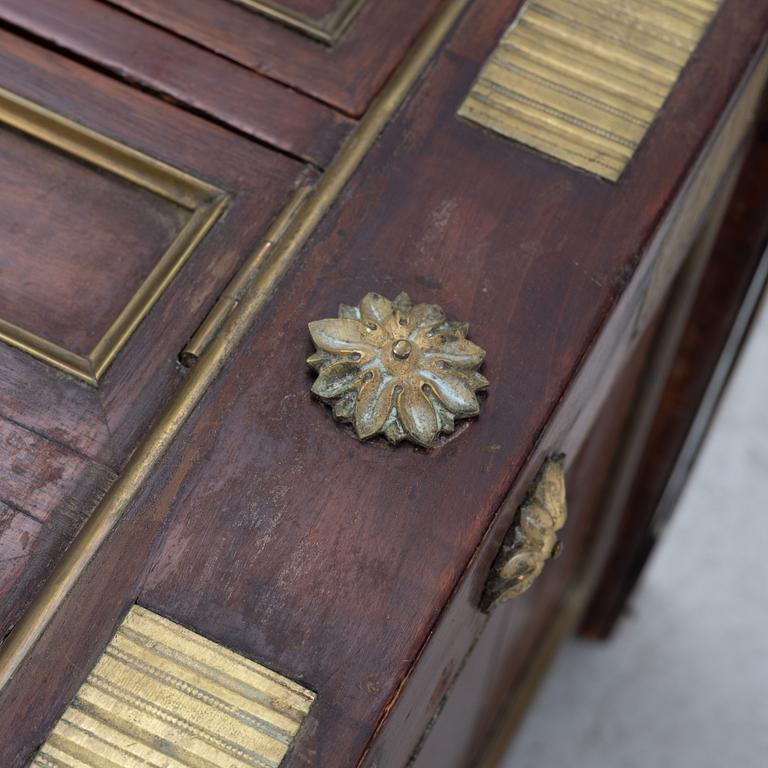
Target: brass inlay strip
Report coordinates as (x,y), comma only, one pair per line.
(162,695)
(28,630)
(327,29)
(204,202)
(582,80)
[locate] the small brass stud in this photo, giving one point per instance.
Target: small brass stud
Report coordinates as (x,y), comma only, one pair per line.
(401,349)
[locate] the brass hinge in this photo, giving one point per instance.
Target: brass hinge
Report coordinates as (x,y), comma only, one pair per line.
(241,282)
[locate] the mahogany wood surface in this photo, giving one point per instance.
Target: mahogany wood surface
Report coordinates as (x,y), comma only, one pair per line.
(492,675)
(346,75)
(46,493)
(357,568)
(738,266)
(159,61)
(76,242)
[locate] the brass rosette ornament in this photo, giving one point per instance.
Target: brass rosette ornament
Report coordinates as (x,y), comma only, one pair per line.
(397,368)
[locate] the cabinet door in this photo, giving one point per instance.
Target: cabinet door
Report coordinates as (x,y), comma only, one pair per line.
(338,51)
(123,221)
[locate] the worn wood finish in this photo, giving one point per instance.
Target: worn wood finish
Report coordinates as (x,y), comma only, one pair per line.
(336,562)
(357,568)
(89,238)
(347,75)
(488,682)
(715,331)
(46,493)
(160,62)
(146,369)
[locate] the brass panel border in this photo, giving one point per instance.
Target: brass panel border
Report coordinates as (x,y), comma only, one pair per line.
(326,30)
(161,694)
(204,202)
(583,80)
(261,273)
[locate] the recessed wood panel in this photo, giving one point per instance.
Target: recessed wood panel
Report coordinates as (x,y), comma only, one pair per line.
(345,73)
(92,234)
(75,243)
(159,61)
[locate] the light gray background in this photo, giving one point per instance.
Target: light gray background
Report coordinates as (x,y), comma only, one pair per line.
(683,683)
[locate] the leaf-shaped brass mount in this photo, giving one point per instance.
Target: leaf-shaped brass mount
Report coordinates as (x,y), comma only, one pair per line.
(396,368)
(532,539)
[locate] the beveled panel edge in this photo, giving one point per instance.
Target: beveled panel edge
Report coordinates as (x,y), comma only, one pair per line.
(326,30)
(205,202)
(583,80)
(161,694)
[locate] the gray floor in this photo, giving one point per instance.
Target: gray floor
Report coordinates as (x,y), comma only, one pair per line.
(684,682)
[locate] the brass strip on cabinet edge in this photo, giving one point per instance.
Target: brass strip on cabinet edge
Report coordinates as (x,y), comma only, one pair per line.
(161,694)
(31,626)
(582,80)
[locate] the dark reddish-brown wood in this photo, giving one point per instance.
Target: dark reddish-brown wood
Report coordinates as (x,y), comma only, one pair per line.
(161,62)
(77,242)
(259,182)
(89,238)
(346,75)
(731,286)
(46,493)
(358,568)
(494,673)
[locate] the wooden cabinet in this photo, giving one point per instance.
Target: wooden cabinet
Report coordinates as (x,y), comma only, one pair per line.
(185,187)
(124,218)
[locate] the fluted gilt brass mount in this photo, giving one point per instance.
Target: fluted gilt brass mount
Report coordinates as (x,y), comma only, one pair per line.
(162,696)
(396,368)
(532,539)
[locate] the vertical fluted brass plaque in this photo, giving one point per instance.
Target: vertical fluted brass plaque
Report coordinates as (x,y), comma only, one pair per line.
(162,696)
(582,80)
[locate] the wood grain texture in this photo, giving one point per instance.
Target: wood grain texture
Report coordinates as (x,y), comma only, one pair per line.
(346,76)
(46,493)
(492,675)
(308,495)
(358,567)
(258,182)
(89,238)
(711,342)
(160,62)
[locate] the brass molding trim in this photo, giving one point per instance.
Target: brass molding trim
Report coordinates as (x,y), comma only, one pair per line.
(326,30)
(262,276)
(397,369)
(161,694)
(532,538)
(204,202)
(582,80)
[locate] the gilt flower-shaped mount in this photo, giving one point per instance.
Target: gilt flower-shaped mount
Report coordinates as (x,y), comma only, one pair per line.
(396,368)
